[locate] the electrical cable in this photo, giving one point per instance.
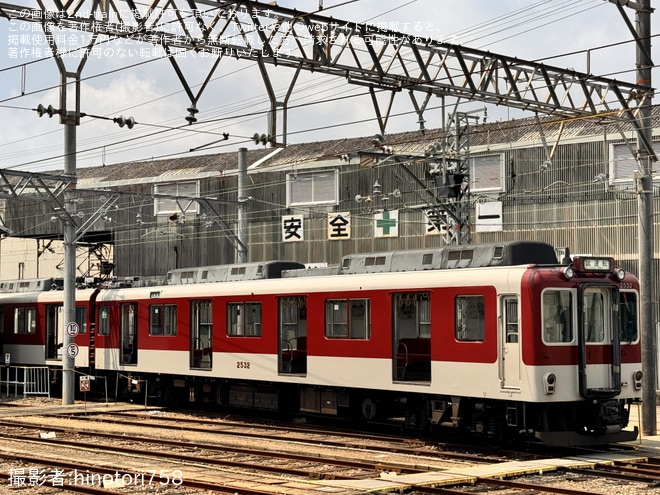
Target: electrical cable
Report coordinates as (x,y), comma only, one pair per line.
(329,100)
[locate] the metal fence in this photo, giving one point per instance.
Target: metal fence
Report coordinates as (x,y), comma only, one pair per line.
(32,380)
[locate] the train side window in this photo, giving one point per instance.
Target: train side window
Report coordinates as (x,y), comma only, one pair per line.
(511,319)
(81,318)
(470,323)
(162,320)
(25,320)
(557,316)
(347,319)
(104,320)
(628,310)
(244,319)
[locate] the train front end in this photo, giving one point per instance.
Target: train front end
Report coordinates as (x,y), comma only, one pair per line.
(585,361)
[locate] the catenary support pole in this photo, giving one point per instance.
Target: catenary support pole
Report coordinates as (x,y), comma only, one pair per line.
(645,214)
(69,232)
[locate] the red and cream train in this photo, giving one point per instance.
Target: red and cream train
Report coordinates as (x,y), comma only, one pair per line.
(499,340)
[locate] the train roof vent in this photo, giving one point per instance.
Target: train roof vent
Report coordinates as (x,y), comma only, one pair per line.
(460,258)
(474,255)
(237,270)
(232,273)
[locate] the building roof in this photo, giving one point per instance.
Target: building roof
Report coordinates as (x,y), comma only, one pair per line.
(411,143)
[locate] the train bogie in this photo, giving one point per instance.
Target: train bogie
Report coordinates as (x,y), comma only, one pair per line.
(543,350)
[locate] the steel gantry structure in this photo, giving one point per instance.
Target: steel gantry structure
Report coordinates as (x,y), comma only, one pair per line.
(363,54)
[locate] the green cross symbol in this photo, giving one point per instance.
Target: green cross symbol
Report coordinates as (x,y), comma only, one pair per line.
(386,223)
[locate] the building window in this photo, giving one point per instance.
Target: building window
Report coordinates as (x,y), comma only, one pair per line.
(470,323)
(244,319)
(624,164)
(487,173)
(320,188)
(183,205)
(162,320)
(347,319)
(104,320)
(25,320)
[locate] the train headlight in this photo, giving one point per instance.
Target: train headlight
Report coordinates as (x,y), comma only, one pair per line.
(637,379)
(620,273)
(549,380)
(568,272)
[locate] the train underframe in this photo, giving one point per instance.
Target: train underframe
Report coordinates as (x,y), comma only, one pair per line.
(586,422)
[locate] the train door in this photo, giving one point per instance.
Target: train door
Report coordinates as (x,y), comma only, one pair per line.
(599,349)
(201,335)
(54,331)
(293,335)
(510,342)
(129,336)
(411,352)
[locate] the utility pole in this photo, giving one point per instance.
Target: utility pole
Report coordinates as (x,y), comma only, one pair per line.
(645,214)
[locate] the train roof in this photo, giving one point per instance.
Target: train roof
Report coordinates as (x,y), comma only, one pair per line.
(510,253)
(463,256)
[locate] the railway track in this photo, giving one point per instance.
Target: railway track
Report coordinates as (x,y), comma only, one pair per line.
(223,455)
(263,455)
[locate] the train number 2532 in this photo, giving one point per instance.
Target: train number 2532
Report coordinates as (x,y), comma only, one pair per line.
(243,364)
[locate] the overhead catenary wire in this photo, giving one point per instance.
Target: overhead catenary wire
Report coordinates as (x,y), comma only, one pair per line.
(339,125)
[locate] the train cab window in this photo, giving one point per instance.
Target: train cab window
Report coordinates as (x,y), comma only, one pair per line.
(244,319)
(25,320)
(470,322)
(594,315)
(628,330)
(347,319)
(104,320)
(162,320)
(557,316)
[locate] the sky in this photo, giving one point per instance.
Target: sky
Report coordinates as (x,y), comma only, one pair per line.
(133,81)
